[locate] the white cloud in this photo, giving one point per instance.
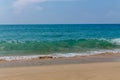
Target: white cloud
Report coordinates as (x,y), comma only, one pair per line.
(20,5)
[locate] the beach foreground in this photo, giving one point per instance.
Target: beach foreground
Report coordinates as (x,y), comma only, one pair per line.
(89,71)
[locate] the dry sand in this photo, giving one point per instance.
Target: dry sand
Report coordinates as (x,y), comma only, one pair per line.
(89,71)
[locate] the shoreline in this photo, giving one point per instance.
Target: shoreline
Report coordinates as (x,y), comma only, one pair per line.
(58,55)
(48,60)
(94,67)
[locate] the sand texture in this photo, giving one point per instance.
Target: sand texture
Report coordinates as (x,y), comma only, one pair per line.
(89,71)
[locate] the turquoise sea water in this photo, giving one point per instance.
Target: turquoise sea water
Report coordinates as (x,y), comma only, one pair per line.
(58,39)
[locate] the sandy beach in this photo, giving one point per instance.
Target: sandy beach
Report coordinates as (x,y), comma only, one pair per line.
(100,67)
(90,71)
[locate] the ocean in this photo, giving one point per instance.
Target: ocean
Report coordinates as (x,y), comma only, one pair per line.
(59,39)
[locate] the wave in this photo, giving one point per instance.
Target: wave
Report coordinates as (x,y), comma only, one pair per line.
(116,41)
(15,47)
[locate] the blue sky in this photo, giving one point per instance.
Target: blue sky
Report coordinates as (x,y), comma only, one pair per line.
(59,11)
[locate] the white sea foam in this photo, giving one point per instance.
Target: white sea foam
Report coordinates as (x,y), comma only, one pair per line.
(57,55)
(116,41)
(86,53)
(11,58)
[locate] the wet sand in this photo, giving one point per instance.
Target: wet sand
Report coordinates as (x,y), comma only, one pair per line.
(97,67)
(60,61)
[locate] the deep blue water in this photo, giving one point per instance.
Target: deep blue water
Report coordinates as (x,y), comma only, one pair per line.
(58,38)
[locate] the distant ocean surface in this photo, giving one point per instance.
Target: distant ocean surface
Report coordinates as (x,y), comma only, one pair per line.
(59,39)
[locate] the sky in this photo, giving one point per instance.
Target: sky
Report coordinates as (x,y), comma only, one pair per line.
(59,11)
